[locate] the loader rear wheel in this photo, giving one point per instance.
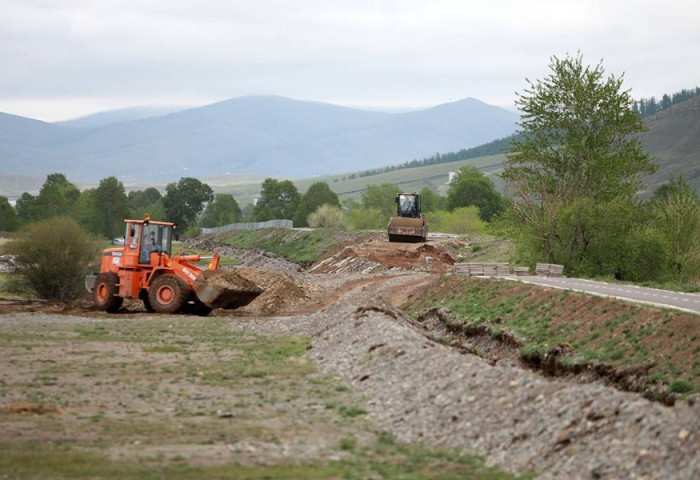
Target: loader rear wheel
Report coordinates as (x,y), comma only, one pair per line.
(168,294)
(106,290)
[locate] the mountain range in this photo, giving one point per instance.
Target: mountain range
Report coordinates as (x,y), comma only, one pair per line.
(262,135)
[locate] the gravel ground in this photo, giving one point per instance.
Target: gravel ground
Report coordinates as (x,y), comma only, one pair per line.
(427,392)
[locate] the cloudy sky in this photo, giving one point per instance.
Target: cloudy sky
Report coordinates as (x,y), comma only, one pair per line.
(65,58)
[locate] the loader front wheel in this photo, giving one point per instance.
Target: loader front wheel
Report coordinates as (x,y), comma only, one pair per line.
(105,293)
(168,294)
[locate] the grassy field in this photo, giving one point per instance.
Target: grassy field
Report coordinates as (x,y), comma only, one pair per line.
(183,397)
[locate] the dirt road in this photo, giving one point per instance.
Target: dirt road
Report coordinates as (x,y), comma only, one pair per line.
(348,307)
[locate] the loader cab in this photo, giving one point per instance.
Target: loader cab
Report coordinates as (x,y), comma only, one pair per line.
(143,237)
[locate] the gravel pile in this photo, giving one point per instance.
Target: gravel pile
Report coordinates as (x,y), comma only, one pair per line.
(247,257)
(427,392)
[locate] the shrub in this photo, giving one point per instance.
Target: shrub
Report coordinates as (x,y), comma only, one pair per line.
(460,221)
(327,216)
(368,219)
(54,256)
(681,386)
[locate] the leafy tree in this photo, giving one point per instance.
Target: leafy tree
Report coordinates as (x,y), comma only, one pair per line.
(8,216)
(577,137)
(57,197)
(143,198)
(54,255)
(248,212)
(86,212)
(679,221)
(25,206)
(577,141)
(112,205)
(318,194)
(155,210)
(328,216)
(431,201)
(381,198)
(278,199)
(223,210)
(184,200)
(470,187)
(368,219)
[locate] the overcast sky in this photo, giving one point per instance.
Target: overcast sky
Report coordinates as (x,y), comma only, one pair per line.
(65,58)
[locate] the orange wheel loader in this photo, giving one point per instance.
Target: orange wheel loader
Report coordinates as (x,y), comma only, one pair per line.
(144,268)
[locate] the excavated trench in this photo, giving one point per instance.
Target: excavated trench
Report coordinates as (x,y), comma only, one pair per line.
(501,347)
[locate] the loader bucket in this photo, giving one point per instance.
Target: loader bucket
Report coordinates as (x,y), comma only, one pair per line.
(225,289)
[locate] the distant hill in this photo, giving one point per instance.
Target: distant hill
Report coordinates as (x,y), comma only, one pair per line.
(102,119)
(673,139)
(269,136)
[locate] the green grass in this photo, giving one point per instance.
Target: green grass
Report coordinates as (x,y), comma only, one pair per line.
(300,246)
(380,459)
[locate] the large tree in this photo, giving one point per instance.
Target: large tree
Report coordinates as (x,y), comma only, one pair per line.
(431,201)
(113,206)
(576,141)
(278,200)
(577,137)
(143,198)
(223,210)
(381,198)
(318,194)
(184,200)
(57,197)
(469,188)
(8,216)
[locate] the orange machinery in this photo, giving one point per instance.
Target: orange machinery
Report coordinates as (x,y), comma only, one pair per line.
(145,268)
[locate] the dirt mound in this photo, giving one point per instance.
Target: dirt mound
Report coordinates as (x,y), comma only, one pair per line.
(281,292)
(346,261)
(377,255)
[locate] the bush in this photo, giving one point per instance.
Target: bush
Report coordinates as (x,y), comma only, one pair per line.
(368,219)
(681,386)
(54,256)
(327,216)
(460,221)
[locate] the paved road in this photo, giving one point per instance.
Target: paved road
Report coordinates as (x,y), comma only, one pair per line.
(689,302)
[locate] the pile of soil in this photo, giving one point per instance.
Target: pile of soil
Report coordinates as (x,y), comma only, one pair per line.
(231,279)
(280,293)
(346,261)
(380,254)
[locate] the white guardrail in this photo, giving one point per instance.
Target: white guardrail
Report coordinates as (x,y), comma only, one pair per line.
(249,226)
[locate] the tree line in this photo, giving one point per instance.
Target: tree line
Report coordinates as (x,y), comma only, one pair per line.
(649,106)
(494,147)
